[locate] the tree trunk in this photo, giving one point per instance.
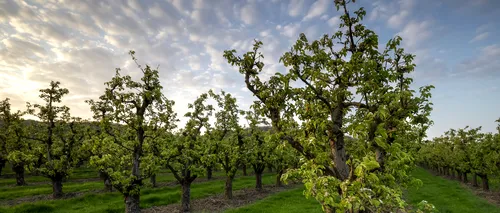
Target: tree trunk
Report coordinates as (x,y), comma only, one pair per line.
(474,180)
(484,180)
(108,187)
(186,196)
(228,190)
(132,203)
(278,178)
(464,177)
(57,190)
(245,170)
(209,173)
(2,164)
(152,179)
(19,170)
(258,180)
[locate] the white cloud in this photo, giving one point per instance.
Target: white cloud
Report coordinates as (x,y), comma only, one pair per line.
(334,21)
(415,33)
(485,64)
(317,8)
(156,11)
(295,7)
(249,14)
(290,30)
(480,37)
(396,20)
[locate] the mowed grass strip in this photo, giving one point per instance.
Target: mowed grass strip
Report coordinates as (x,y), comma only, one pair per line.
(291,201)
(113,202)
(447,195)
(13,192)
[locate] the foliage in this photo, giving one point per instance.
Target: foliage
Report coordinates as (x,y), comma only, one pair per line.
(132,115)
(57,137)
(335,71)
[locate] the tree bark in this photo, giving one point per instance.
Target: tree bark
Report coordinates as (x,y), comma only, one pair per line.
(108,187)
(258,180)
(209,173)
(152,179)
(228,190)
(464,177)
(485,182)
(474,180)
(132,203)
(278,178)
(19,170)
(57,190)
(2,164)
(186,196)
(245,170)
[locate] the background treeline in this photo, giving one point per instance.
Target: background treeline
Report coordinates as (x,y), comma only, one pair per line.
(464,154)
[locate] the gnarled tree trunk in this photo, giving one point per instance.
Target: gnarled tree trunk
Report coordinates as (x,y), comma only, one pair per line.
(19,170)
(152,179)
(57,190)
(485,182)
(228,190)
(245,170)
(132,203)
(108,187)
(278,178)
(186,196)
(258,180)
(474,180)
(209,173)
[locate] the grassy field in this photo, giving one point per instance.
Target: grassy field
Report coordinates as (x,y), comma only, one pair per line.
(447,195)
(113,202)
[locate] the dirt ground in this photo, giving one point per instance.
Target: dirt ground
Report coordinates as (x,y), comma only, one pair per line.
(217,203)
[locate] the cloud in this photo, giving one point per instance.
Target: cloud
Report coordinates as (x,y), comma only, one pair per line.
(480,37)
(295,7)
(398,19)
(249,14)
(485,64)
(415,33)
(289,30)
(317,9)
(334,21)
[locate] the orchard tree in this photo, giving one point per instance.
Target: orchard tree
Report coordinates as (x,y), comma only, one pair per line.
(14,147)
(183,155)
(227,137)
(131,113)
(57,137)
(348,87)
(282,157)
(257,148)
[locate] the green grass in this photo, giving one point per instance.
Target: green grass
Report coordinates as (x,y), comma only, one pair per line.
(113,202)
(10,192)
(291,201)
(447,195)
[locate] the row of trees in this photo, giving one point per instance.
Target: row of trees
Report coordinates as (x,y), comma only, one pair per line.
(133,136)
(340,85)
(462,152)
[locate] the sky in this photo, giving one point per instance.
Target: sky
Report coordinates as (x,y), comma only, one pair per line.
(80,43)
